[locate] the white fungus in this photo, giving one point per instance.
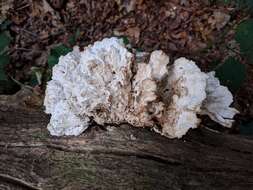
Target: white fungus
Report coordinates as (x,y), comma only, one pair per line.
(106,83)
(186,91)
(217,103)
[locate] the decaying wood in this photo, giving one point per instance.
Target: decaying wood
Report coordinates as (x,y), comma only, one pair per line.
(120,157)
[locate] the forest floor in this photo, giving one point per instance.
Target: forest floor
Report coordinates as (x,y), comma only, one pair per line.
(204,31)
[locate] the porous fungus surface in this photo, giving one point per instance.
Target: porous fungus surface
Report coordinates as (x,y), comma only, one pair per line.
(107,83)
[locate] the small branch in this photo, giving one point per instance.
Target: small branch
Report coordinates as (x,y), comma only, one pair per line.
(28,32)
(20,84)
(235,51)
(26,49)
(23,7)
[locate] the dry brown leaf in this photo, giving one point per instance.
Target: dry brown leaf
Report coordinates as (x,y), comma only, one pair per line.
(221,19)
(134,33)
(129,5)
(4,7)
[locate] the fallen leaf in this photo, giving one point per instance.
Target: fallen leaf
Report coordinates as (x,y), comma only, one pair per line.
(5,5)
(134,33)
(219,20)
(128,5)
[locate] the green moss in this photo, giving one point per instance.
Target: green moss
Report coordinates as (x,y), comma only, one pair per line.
(73,168)
(40,135)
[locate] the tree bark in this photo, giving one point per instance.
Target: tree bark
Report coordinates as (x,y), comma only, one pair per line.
(116,157)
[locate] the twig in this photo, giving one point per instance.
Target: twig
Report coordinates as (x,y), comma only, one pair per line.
(21,84)
(29,32)
(234,50)
(27,5)
(212,130)
(26,49)
(51,35)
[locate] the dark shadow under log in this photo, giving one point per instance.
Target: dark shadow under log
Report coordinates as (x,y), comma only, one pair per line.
(121,157)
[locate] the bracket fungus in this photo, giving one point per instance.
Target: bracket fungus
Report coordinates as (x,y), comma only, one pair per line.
(108,84)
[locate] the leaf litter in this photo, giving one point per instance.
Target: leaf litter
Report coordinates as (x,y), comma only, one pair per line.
(194,28)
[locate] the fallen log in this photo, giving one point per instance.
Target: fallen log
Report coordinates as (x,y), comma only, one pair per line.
(116,157)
